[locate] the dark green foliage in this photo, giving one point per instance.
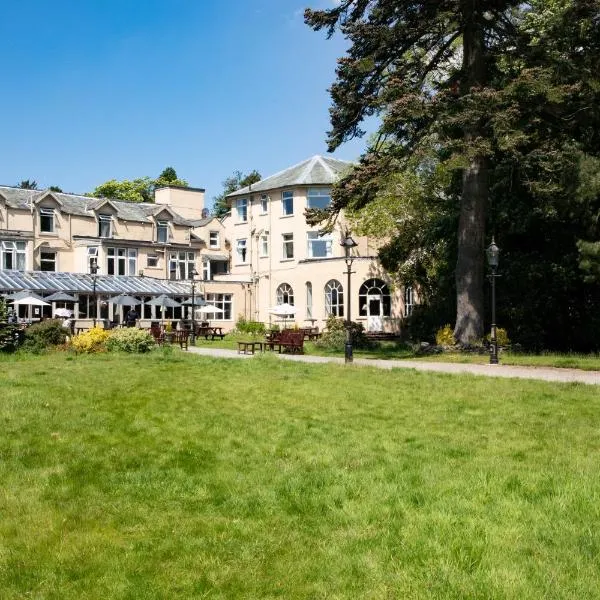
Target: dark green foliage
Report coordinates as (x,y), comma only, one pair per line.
(334,335)
(55,188)
(28,184)
(8,331)
(236,182)
(43,335)
(131,340)
(251,327)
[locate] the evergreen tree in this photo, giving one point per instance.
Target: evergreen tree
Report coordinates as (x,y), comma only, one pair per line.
(233,183)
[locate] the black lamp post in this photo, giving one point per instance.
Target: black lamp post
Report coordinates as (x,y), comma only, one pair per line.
(493,258)
(94,274)
(193,283)
(348,243)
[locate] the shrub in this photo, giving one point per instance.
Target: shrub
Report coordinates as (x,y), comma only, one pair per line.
(9,332)
(43,335)
(92,340)
(501,337)
(130,339)
(251,327)
(334,336)
(445,336)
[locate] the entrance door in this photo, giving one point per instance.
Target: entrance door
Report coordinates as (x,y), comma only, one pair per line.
(374,313)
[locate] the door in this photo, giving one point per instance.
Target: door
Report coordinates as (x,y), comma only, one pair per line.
(374,313)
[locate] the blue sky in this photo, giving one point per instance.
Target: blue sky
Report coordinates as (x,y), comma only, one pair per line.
(102,89)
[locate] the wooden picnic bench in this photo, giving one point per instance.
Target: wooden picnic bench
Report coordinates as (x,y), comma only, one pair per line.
(180,337)
(250,347)
(212,332)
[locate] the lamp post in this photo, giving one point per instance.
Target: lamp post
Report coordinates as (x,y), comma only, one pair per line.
(193,283)
(94,274)
(493,258)
(348,243)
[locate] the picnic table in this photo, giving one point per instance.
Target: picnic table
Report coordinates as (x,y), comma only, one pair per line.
(208,331)
(250,347)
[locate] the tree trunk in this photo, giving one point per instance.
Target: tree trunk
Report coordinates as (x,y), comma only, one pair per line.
(474,196)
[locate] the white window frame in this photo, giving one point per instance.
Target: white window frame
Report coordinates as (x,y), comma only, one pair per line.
(181,265)
(241,206)
(263,245)
(214,241)
(409,300)
(334,298)
(222,301)
(92,255)
(124,261)
(152,261)
(287,210)
(309,300)
(287,246)
(315,196)
(264,204)
(241,250)
(103,222)
(314,240)
(162,226)
(18,253)
(47,213)
(285,294)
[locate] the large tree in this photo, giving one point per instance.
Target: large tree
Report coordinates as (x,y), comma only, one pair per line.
(468,78)
(137,190)
(233,183)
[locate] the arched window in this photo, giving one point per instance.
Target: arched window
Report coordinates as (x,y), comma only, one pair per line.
(374,299)
(334,298)
(309,300)
(285,294)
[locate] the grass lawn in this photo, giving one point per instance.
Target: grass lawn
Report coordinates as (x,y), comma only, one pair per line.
(179,476)
(394,351)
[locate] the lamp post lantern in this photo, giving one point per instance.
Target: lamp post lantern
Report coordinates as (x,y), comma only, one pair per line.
(348,243)
(493,258)
(94,274)
(193,283)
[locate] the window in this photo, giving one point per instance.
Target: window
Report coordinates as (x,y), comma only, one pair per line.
(104,226)
(309,300)
(13,256)
(288,246)
(263,244)
(318,198)
(285,294)
(181,265)
(242,210)
(409,300)
(46,220)
(374,299)
(152,260)
(334,298)
(319,246)
(121,261)
(241,250)
(264,204)
(162,232)
(206,270)
(222,301)
(47,261)
(92,256)
(213,239)
(287,203)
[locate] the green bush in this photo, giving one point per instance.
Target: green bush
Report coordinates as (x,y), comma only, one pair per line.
(251,327)
(334,336)
(131,340)
(43,335)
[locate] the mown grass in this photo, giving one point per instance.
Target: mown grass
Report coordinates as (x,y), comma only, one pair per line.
(178,476)
(398,351)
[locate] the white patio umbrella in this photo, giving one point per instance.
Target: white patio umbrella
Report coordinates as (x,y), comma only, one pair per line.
(63,312)
(284,311)
(31,300)
(208,309)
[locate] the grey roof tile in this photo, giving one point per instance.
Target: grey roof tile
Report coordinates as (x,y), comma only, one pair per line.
(317,170)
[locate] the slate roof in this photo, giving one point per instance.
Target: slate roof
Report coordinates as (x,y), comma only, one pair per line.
(317,170)
(84,206)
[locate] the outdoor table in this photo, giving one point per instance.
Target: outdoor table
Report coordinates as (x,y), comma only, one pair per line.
(250,347)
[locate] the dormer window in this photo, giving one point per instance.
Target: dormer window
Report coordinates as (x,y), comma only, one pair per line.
(104,226)
(47,220)
(213,239)
(162,232)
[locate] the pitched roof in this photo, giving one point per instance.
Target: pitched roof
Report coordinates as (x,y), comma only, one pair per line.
(85,206)
(317,170)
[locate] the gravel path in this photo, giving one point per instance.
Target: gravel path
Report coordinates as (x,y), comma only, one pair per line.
(509,371)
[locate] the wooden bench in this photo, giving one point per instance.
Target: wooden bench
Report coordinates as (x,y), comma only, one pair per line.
(287,341)
(212,332)
(158,334)
(250,347)
(181,338)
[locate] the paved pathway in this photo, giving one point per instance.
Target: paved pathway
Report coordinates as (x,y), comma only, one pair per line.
(544,373)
